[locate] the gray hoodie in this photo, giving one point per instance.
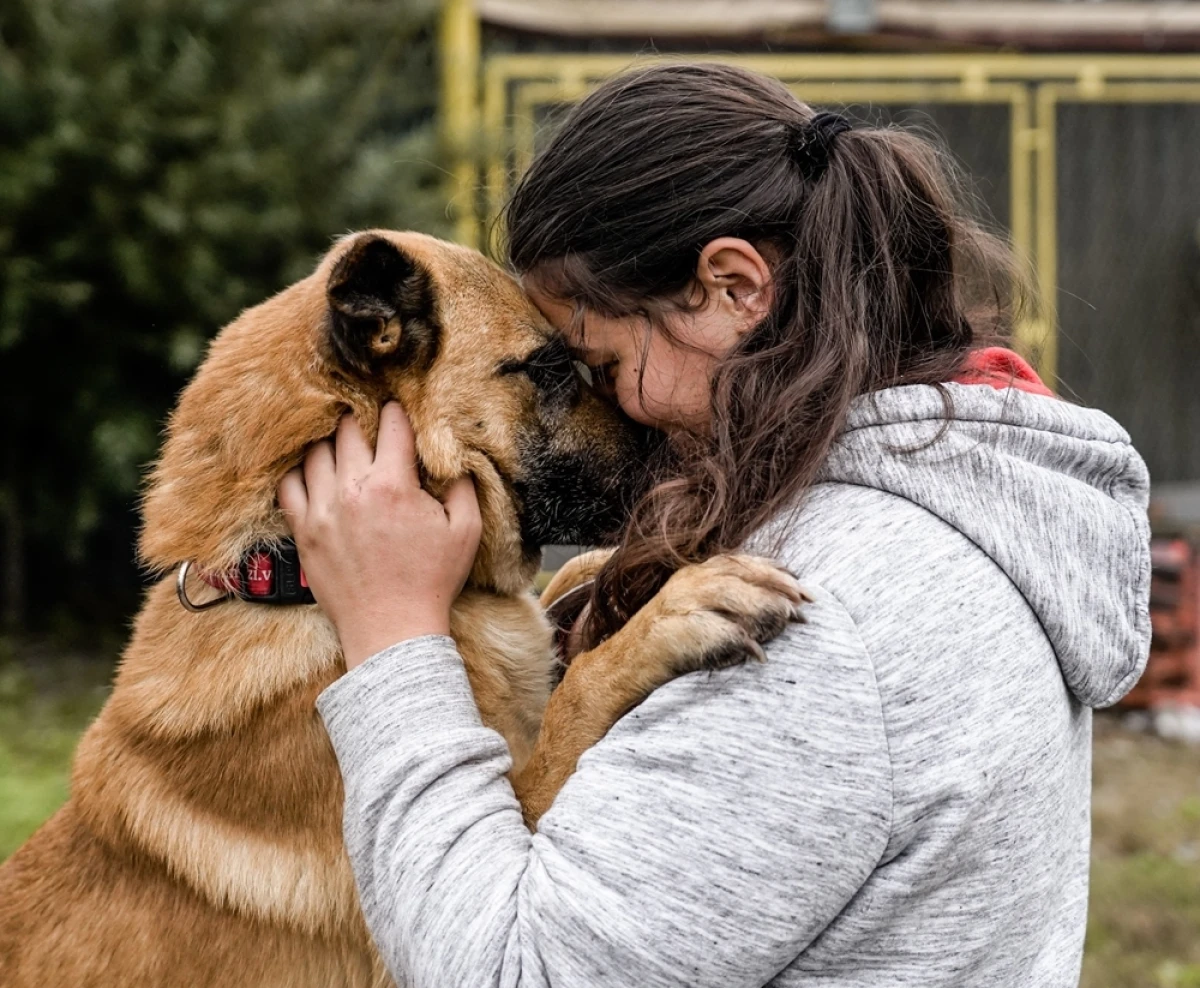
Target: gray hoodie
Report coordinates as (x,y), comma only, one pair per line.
(899,796)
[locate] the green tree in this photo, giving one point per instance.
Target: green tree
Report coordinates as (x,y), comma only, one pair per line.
(164,164)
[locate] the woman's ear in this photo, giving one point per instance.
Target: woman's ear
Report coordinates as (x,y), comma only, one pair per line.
(735,276)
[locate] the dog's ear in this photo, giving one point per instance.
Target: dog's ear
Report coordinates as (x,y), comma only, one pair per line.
(382,308)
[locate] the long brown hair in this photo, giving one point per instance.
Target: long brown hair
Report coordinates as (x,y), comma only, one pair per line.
(880,277)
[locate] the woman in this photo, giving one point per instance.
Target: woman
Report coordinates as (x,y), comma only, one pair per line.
(900,794)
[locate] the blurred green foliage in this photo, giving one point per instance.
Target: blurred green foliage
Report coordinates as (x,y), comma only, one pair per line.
(164,164)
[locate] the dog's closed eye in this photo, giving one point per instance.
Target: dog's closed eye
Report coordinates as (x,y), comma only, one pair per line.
(551,369)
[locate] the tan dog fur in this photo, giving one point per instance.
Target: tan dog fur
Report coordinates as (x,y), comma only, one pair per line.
(201,844)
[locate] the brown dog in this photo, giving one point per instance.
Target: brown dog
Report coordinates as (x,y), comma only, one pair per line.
(201,845)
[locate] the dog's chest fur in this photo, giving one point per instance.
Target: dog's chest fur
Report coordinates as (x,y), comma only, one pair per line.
(229,813)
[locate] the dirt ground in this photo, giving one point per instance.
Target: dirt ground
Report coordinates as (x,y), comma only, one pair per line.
(1144,924)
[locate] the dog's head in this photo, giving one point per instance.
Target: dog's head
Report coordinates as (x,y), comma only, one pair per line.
(489,388)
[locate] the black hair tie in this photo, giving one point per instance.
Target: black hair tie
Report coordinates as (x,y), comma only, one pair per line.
(809,144)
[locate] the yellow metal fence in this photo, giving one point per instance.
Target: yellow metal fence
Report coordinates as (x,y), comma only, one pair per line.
(514,90)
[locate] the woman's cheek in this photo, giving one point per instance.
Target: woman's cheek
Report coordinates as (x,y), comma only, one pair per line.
(632,404)
(656,408)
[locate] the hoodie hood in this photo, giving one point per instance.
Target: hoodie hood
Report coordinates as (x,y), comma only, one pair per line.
(1054,494)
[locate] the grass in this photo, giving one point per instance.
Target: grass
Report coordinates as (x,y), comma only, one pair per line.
(1144,918)
(43,710)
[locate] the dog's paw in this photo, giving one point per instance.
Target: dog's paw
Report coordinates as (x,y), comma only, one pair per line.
(720,612)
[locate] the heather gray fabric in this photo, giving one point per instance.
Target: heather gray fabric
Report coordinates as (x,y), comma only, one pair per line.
(898,797)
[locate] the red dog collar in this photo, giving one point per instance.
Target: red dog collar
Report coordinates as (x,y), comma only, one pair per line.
(269,573)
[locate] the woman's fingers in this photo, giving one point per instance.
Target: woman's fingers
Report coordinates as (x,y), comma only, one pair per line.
(293,497)
(320,469)
(396,449)
(462,505)
(465,525)
(370,536)
(352,451)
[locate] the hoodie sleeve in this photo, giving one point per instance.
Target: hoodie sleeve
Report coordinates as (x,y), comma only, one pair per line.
(703,843)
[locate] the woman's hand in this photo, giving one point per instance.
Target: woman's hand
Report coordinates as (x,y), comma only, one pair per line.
(384,559)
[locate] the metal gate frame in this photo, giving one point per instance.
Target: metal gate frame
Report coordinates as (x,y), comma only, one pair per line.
(489,104)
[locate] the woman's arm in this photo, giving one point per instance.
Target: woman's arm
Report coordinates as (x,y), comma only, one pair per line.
(706,841)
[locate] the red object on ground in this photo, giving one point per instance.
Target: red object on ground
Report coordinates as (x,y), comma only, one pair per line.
(1172,676)
(1001,368)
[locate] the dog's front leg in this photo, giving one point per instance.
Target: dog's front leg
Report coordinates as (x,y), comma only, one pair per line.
(707,616)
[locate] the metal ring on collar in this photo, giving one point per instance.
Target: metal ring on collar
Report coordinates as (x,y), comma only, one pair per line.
(186,601)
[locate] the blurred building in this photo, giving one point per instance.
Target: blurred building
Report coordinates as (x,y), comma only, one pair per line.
(1079,122)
